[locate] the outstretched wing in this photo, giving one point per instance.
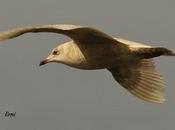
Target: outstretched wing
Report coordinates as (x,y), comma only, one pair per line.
(57,28)
(77,33)
(141,79)
(131,44)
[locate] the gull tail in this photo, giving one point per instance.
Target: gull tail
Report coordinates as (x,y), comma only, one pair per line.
(169,52)
(154,52)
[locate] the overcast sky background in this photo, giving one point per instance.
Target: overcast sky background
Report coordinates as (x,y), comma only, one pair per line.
(57,97)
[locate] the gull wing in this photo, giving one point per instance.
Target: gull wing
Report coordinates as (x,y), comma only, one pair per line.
(57,28)
(141,79)
(132,44)
(81,34)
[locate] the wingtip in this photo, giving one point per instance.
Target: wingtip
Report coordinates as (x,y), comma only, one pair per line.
(160,101)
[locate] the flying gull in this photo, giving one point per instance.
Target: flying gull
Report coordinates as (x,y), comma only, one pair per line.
(130,63)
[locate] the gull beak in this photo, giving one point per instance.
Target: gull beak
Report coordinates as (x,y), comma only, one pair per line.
(43,62)
(47,60)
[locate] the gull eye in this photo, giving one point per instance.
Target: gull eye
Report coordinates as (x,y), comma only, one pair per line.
(55,52)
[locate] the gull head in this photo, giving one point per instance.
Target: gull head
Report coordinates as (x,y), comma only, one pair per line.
(56,55)
(69,54)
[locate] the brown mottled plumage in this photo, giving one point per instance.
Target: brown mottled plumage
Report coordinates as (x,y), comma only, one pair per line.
(130,63)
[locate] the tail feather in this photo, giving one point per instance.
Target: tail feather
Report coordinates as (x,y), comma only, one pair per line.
(154,52)
(169,52)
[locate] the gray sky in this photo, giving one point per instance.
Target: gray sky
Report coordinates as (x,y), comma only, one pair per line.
(58,97)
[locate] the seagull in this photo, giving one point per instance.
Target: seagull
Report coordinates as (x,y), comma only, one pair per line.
(130,63)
